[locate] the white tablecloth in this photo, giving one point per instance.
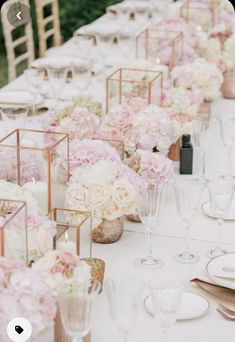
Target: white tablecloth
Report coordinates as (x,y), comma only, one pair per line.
(167,241)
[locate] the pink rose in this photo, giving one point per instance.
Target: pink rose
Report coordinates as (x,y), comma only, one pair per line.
(68,258)
(121,117)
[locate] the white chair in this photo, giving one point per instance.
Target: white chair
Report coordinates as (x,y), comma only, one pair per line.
(22,55)
(48,26)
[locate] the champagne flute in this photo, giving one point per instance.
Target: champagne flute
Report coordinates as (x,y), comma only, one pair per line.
(34,78)
(149,211)
(124,297)
(75,304)
(221,190)
(227,129)
(188,193)
(166,293)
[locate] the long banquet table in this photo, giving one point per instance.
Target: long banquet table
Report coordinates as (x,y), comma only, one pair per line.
(167,241)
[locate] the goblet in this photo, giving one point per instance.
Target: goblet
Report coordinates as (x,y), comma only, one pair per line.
(81,71)
(124,297)
(75,305)
(227,129)
(149,210)
(34,78)
(188,193)
(57,77)
(166,296)
(221,190)
(85,44)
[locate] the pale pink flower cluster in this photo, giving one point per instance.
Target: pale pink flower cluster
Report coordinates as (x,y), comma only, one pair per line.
(58,267)
(24,294)
(154,166)
(104,190)
(205,76)
(86,152)
(78,122)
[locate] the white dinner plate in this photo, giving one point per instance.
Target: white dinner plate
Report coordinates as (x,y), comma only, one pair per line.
(222,270)
(18,98)
(192,306)
(206,208)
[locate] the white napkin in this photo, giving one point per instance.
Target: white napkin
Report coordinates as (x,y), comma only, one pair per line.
(15,98)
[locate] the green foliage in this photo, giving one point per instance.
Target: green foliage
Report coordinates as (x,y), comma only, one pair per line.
(73,14)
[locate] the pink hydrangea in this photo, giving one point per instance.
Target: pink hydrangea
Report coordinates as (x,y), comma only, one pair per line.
(120,116)
(24,294)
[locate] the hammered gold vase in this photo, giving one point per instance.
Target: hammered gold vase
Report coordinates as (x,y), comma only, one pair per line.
(228,87)
(97,269)
(134,218)
(174,151)
(108,231)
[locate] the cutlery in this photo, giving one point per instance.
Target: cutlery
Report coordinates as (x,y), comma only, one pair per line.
(225,314)
(226,309)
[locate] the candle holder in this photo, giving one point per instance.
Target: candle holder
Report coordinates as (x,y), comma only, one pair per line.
(13,229)
(160,46)
(203,13)
(30,160)
(69,224)
(125,84)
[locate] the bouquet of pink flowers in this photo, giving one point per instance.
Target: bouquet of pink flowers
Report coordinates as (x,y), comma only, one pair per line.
(151,165)
(23,293)
(60,267)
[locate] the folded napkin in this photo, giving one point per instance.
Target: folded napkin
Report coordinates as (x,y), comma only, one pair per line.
(216,290)
(15,98)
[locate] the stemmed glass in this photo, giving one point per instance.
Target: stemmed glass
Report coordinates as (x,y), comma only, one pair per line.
(57,77)
(85,44)
(201,138)
(14,117)
(75,305)
(166,296)
(34,78)
(149,210)
(227,129)
(81,71)
(188,193)
(221,190)
(124,297)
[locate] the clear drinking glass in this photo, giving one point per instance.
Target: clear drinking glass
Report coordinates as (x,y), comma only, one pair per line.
(227,129)
(124,297)
(188,193)
(34,78)
(75,309)
(201,138)
(166,296)
(85,44)
(81,71)
(15,117)
(106,44)
(149,210)
(221,191)
(57,78)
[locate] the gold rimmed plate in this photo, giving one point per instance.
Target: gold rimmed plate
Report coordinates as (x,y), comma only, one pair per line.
(206,208)
(221,270)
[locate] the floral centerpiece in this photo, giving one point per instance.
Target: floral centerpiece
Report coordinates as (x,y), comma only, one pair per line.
(85,153)
(147,129)
(60,267)
(102,190)
(78,122)
(206,76)
(24,294)
(41,230)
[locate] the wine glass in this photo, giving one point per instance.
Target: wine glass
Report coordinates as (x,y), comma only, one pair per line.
(14,117)
(34,78)
(75,304)
(227,129)
(201,138)
(149,210)
(85,44)
(106,44)
(81,71)
(221,190)
(124,297)
(166,293)
(57,77)
(188,193)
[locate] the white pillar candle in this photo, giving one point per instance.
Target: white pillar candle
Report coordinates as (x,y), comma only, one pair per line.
(67,245)
(39,191)
(162,68)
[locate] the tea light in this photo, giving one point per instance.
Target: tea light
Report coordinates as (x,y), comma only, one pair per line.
(67,245)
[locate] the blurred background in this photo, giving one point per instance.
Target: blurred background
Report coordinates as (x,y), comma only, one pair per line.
(73,14)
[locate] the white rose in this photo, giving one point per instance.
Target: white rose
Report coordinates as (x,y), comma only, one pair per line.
(44,241)
(99,195)
(44,264)
(111,211)
(124,196)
